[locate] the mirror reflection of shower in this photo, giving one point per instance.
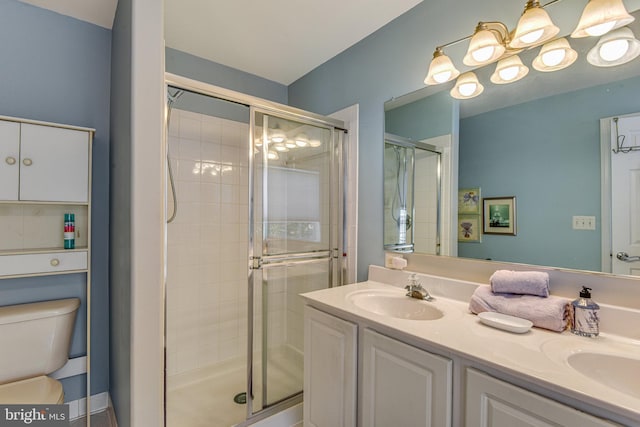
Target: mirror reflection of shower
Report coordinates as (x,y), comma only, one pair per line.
(411,195)
(399,203)
(398,191)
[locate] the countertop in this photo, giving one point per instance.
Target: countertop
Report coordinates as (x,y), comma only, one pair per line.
(537,356)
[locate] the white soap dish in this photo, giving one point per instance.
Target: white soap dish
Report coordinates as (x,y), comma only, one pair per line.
(506,322)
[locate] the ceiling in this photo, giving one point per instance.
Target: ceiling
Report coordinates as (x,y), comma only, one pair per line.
(280,40)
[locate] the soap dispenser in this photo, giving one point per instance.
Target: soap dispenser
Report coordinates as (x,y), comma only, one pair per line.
(585,315)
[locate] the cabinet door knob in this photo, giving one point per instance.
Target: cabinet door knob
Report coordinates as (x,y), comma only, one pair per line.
(27,162)
(55,262)
(10,160)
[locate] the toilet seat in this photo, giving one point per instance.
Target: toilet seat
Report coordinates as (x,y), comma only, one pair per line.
(37,390)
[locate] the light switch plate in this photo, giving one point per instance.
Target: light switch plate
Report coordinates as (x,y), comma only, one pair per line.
(582,222)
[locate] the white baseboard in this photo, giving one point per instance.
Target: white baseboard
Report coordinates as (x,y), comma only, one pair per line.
(78,408)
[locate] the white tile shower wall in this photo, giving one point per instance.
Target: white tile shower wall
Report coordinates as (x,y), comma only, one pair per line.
(207,242)
(425,190)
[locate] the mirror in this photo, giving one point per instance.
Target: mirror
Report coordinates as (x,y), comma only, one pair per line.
(537,139)
(406,162)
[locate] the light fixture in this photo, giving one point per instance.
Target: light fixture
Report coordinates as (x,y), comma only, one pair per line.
(534,27)
(441,69)
(601,16)
(509,70)
(302,140)
(615,48)
(276,135)
(272,155)
(315,143)
(281,147)
(290,143)
(467,86)
(487,44)
(555,56)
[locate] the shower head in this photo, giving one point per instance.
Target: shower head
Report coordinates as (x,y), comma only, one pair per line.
(173,97)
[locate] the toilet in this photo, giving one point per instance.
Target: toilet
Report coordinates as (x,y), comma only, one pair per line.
(35,341)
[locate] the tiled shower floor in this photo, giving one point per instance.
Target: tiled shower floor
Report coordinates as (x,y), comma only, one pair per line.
(208,401)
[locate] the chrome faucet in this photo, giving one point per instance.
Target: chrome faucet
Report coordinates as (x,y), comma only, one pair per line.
(415,289)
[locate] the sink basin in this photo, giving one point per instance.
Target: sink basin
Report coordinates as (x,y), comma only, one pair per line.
(619,372)
(395,304)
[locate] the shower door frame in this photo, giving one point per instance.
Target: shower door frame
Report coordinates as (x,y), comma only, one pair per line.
(291,113)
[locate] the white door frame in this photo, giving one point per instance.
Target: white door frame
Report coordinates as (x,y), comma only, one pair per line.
(606,249)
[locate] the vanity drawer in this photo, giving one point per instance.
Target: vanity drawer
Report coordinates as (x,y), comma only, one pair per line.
(53,262)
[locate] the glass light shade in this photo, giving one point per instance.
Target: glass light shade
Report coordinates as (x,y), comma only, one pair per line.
(467,86)
(554,56)
(534,27)
(258,142)
(277,136)
(441,69)
(302,140)
(601,16)
(290,144)
(272,155)
(509,70)
(484,48)
(315,143)
(280,147)
(615,48)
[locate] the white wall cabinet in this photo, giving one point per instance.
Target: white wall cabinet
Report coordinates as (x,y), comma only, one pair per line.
(494,403)
(330,370)
(403,385)
(45,172)
(44,163)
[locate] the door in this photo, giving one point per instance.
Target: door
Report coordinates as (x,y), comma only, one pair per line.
(495,403)
(330,370)
(9,160)
(54,164)
(296,224)
(403,385)
(625,196)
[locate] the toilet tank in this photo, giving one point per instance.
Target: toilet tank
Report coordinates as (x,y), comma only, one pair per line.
(35,338)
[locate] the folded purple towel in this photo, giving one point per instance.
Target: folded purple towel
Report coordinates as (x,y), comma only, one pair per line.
(520,282)
(548,313)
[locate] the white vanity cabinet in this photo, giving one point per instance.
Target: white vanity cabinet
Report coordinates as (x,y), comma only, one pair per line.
(494,403)
(400,385)
(403,385)
(330,370)
(43,163)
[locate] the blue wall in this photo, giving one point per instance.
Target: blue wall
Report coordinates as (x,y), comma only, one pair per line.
(426,118)
(547,154)
(56,69)
(391,62)
(120,214)
(194,67)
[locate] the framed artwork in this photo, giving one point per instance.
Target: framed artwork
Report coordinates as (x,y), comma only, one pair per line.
(499,215)
(469,228)
(469,201)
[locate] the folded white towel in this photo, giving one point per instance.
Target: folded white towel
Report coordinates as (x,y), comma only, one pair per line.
(548,313)
(520,282)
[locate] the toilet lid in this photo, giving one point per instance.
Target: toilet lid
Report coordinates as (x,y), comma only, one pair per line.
(38,390)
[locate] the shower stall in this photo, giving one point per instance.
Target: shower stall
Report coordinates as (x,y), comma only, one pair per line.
(255,201)
(412,195)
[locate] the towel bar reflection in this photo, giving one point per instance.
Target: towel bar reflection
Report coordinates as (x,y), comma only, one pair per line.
(623,256)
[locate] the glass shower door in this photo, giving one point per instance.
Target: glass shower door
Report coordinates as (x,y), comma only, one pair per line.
(296,239)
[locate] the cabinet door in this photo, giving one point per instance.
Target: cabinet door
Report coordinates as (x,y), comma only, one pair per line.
(54,164)
(9,160)
(330,370)
(403,385)
(494,403)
